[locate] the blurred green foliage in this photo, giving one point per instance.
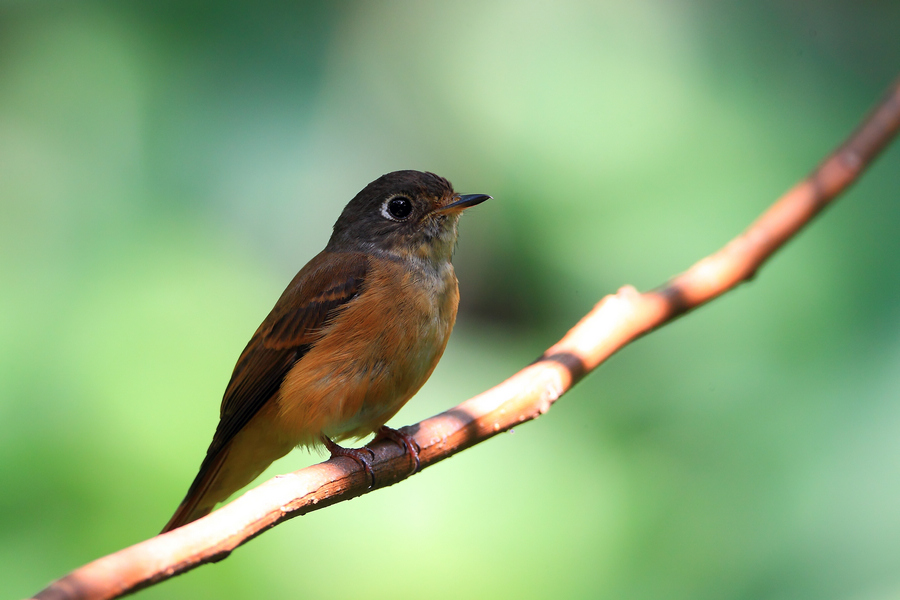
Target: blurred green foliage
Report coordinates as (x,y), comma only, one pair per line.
(166,167)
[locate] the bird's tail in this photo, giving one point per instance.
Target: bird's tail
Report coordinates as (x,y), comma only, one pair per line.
(199,502)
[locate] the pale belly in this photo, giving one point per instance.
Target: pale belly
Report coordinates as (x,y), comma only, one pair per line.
(371,359)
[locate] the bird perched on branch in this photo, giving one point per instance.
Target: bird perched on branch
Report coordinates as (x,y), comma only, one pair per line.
(352,338)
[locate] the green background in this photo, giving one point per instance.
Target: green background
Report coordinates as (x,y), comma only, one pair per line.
(167,166)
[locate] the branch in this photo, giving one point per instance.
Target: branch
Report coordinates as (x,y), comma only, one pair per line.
(614,322)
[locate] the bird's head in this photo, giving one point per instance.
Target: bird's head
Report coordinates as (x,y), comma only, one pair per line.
(408,214)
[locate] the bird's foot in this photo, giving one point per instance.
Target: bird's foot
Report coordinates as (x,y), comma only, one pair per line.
(403,440)
(362,456)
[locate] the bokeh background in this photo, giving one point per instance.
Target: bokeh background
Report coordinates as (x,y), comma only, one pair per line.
(167,166)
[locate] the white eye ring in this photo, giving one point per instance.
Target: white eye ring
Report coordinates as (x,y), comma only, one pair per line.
(400,204)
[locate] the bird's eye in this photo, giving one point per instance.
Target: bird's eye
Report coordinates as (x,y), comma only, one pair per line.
(397,208)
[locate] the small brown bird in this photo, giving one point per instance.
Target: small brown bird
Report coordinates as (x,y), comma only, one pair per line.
(352,338)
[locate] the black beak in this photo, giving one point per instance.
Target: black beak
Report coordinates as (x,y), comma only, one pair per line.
(465,201)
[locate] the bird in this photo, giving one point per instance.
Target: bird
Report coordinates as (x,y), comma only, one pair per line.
(352,338)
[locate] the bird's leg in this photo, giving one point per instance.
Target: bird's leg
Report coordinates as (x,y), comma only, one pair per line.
(404,441)
(363,456)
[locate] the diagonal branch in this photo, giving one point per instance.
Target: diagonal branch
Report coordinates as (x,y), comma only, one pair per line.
(614,322)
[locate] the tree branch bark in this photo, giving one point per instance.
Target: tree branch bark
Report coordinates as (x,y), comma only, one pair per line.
(614,322)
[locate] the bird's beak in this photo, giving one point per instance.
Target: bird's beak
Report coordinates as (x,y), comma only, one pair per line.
(464,202)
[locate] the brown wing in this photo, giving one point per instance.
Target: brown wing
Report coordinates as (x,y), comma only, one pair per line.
(311,300)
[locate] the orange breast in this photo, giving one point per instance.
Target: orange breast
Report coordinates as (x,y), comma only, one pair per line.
(373,357)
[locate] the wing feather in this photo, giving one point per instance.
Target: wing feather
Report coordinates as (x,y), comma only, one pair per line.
(315,296)
(287,334)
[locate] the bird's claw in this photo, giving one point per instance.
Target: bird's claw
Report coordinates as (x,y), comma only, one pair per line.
(363,457)
(405,441)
